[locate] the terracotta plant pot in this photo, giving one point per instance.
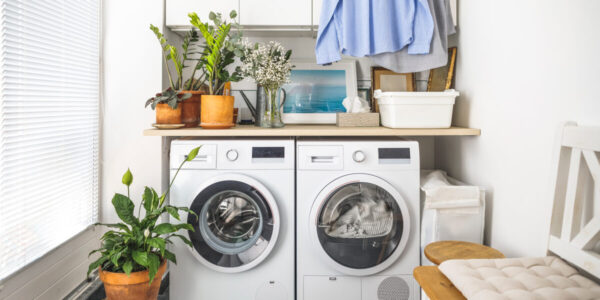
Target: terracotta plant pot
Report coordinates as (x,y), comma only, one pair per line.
(216,112)
(190,109)
(166,115)
(133,287)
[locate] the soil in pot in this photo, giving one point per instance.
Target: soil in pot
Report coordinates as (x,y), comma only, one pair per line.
(133,287)
(216,112)
(167,115)
(190,109)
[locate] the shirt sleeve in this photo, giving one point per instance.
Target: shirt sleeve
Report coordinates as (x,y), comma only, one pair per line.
(422,29)
(327,49)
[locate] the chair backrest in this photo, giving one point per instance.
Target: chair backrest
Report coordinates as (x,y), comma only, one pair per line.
(575,224)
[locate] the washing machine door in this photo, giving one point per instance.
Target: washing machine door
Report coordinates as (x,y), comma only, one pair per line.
(360,224)
(237,224)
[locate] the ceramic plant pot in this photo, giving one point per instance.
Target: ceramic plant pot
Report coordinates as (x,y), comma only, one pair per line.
(136,286)
(166,115)
(190,109)
(216,112)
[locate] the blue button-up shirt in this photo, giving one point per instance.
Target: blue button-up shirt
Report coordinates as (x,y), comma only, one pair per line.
(368,27)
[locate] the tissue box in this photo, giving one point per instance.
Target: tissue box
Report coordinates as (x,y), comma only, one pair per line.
(366,119)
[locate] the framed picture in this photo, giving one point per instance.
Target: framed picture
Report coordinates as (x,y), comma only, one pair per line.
(441,79)
(315,93)
(390,81)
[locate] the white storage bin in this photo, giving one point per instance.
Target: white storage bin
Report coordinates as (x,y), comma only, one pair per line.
(451,210)
(416,109)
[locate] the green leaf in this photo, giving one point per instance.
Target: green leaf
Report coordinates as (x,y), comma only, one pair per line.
(233,14)
(158,243)
(212,16)
(141,258)
(124,208)
(121,226)
(127,178)
(147,199)
(164,228)
(193,153)
(127,267)
(184,239)
(173,212)
(115,258)
(153,264)
(96,264)
(185,226)
(170,256)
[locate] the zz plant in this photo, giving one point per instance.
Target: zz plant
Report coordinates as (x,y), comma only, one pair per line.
(137,243)
(222,46)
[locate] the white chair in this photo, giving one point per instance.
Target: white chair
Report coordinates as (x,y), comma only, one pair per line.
(574,234)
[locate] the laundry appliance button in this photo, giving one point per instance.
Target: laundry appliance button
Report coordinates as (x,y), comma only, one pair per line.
(232,155)
(358,156)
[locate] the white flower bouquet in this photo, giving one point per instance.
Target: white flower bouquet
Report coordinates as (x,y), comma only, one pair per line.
(269,64)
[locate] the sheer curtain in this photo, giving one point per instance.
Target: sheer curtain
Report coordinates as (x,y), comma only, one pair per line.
(49,125)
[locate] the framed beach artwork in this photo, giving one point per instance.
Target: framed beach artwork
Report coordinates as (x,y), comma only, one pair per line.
(315,93)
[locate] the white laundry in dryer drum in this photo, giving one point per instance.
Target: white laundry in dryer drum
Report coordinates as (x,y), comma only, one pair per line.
(357,219)
(243,243)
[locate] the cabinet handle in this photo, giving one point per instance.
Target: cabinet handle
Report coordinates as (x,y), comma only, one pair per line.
(333,278)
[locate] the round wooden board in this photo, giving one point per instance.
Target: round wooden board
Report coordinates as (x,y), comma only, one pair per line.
(438,252)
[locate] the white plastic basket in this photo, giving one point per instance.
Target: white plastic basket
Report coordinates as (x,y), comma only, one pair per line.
(416,109)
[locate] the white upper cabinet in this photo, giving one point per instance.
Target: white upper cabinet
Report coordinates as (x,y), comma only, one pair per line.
(275,13)
(177,10)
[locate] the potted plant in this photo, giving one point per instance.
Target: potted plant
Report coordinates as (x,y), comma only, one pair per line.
(222,46)
(190,89)
(269,65)
(166,104)
(133,254)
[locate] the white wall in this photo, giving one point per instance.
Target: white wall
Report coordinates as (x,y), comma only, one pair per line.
(132,74)
(523,67)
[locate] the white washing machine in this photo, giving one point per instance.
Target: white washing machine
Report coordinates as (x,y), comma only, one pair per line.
(357,219)
(243,244)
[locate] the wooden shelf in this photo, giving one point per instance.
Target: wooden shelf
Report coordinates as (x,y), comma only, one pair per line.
(314,130)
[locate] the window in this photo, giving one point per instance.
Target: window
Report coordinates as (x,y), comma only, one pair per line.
(49,125)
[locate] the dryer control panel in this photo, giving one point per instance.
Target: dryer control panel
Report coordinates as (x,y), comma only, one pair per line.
(358,155)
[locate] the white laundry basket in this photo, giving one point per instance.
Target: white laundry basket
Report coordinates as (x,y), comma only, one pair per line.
(451,210)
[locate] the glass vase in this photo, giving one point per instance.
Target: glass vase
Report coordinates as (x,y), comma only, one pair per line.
(271,117)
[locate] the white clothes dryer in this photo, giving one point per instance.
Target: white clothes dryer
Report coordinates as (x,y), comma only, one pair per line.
(357,219)
(243,243)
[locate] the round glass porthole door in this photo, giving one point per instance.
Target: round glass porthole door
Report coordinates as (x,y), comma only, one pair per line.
(360,224)
(237,224)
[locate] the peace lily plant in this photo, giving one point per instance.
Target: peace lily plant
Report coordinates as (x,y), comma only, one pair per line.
(137,243)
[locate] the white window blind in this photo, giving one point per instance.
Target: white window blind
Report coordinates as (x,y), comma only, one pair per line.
(49,120)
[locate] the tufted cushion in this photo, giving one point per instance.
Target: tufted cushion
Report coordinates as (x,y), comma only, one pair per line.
(519,278)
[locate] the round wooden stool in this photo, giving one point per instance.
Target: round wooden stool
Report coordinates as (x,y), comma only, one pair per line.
(438,252)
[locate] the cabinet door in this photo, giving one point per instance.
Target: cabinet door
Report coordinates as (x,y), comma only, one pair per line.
(177,10)
(332,288)
(275,12)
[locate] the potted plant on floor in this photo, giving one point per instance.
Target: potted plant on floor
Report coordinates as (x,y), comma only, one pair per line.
(133,255)
(269,65)
(190,89)
(222,46)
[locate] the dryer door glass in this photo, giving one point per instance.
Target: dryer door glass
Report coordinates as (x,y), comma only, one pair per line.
(234,224)
(360,225)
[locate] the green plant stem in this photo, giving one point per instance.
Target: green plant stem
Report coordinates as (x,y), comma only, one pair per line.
(168,71)
(171,184)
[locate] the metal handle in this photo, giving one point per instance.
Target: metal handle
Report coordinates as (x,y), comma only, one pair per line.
(332,278)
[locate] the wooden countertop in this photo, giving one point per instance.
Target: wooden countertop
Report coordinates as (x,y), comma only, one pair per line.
(314,130)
